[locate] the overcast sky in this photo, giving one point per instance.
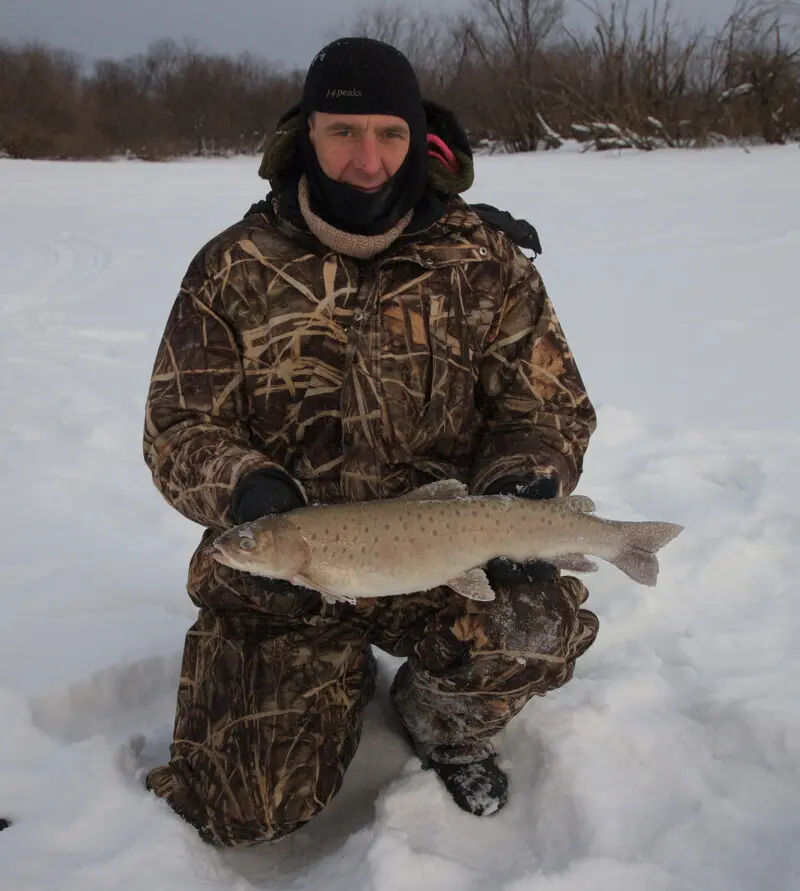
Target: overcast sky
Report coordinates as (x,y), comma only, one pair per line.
(287,32)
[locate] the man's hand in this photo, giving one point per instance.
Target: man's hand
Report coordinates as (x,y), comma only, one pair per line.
(264,492)
(501,570)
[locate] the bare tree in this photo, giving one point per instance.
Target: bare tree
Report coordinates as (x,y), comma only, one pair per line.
(42,109)
(756,59)
(508,39)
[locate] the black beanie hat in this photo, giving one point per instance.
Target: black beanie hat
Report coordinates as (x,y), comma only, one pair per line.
(358,75)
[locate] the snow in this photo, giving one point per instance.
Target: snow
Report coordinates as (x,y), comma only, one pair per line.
(670,762)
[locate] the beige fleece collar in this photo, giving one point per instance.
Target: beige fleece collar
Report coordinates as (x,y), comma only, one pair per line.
(362,247)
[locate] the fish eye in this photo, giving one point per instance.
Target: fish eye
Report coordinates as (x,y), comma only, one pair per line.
(247,544)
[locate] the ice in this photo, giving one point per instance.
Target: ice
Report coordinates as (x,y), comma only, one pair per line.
(670,762)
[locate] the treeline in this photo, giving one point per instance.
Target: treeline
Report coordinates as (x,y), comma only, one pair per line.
(517,75)
(172,100)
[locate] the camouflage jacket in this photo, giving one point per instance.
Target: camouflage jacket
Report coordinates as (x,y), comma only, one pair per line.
(440,357)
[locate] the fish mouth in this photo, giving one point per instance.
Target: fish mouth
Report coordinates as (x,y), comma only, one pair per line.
(214,553)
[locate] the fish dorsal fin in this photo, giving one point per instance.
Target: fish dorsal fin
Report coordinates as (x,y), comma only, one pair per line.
(573,504)
(437,491)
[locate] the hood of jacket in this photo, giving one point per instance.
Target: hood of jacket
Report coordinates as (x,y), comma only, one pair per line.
(281,166)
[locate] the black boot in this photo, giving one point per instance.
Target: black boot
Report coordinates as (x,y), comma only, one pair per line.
(479,787)
(4,824)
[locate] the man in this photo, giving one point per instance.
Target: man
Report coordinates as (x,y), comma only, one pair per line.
(360,333)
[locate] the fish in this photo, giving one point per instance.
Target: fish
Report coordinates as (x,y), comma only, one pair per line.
(435,535)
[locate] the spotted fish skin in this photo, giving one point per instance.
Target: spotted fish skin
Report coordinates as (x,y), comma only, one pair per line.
(435,536)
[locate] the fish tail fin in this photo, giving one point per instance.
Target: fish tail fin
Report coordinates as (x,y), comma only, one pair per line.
(640,543)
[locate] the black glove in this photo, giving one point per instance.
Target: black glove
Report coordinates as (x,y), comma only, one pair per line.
(263,492)
(501,570)
(523,487)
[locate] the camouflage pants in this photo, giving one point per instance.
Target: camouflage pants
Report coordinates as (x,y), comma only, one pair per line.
(274,683)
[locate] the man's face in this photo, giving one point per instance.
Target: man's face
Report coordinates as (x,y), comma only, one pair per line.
(362,150)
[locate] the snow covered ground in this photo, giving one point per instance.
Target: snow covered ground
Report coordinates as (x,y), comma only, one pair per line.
(672,761)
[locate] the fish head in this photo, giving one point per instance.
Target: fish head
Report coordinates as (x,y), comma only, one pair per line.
(250,547)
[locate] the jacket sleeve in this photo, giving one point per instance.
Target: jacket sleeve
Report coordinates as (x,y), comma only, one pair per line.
(537,416)
(196,438)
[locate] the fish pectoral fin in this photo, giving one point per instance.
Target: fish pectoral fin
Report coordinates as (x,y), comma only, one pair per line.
(437,491)
(338,598)
(327,595)
(574,504)
(574,563)
(472,584)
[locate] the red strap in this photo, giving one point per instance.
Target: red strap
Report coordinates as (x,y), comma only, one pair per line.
(438,148)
